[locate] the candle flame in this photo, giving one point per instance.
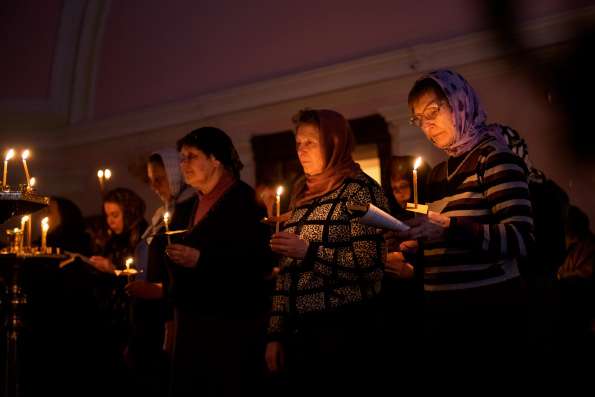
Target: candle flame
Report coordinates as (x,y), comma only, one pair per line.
(45,221)
(100,174)
(107,173)
(166,217)
(25,219)
(128,263)
(279,190)
(32,182)
(16,230)
(9,154)
(417,163)
(25,154)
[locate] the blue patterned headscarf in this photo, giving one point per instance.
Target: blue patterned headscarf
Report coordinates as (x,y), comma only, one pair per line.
(469,116)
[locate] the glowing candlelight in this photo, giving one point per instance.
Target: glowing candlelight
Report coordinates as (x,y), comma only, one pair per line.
(278,204)
(25,155)
(9,155)
(24,220)
(128,263)
(32,183)
(100,177)
(166,223)
(45,226)
(415,167)
(107,173)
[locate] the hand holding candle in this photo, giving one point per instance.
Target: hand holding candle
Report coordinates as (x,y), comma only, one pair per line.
(278,205)
(9,155)
(45,226)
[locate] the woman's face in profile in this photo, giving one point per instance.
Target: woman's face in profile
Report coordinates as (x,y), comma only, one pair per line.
(114,217)
(401,191)
(158,181)
(309,149)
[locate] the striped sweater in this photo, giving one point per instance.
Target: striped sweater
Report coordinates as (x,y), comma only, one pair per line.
(487,198)
(344,263)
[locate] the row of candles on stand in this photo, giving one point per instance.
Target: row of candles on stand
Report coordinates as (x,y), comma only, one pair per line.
(10,153)
(22,237)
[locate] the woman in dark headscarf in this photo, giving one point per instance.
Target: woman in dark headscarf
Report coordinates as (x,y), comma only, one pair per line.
(479,225)
(323,320)
(219,288)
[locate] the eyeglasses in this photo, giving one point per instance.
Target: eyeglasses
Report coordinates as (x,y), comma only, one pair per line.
(430,113)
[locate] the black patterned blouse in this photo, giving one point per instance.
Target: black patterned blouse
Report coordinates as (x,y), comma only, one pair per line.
(345,259)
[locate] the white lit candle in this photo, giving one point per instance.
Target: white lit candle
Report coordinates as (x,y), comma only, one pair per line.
(166,223)
(45,226)
(9,155)
(128,263)
(25,155)
(278,204)
(24,221)
(32,183)
(415,167)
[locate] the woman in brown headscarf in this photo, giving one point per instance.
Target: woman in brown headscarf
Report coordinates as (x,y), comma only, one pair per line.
(322,325)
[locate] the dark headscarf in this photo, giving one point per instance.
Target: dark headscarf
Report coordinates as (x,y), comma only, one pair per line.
(337,142)
(213,141)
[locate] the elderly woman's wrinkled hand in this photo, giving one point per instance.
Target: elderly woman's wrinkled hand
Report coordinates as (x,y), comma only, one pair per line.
(183,255)
(431,227)
(289,244)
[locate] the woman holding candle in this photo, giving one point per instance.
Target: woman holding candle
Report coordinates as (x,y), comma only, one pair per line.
(323,324)
(124,214)
(479,224)
(153,317)
(219,290)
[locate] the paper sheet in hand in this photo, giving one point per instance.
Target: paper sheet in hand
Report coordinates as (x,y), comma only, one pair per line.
(373,216)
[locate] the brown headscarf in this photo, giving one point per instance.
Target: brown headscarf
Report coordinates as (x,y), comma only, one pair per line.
(337,143)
